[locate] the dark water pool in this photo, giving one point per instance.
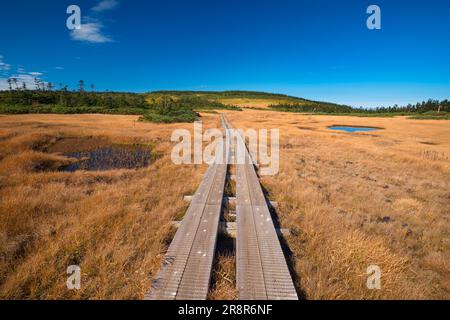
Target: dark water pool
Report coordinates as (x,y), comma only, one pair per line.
(109,158)
(353,129)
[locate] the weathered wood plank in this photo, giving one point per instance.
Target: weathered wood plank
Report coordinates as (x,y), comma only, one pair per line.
(262,271)
(186,270)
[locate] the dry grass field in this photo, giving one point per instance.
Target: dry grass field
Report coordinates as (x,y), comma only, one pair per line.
(350,200)
(251,103)
(358,199)
(114,224)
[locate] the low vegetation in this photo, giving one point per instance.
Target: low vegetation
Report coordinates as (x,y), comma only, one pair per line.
(158,109)
(69,102)
(218,95)
(166,109)
(431,116)
(181,106)
(114,224)
(431,109)
(356,200)
(312,107)
(243,99)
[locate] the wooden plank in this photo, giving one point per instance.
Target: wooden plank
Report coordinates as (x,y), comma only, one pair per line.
(195,282)
(262,271)
(250,275)
(186,270)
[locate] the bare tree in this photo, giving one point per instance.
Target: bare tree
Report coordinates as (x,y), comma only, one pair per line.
(81,85)
(10,84)
(15,83)
(24,86)
(36,83)
(49,86)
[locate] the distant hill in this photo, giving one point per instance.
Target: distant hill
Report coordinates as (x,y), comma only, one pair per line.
(254,99)
(167,106)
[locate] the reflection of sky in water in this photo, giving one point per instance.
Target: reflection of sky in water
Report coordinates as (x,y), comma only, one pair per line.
(353,129)
(109,158)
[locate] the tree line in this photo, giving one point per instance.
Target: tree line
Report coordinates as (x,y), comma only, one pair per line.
(420,107)
(46,100)
(43,99)
(312,107)
(322,107)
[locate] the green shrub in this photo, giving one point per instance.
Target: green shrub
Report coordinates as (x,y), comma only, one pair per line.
(168,110)
(159,118)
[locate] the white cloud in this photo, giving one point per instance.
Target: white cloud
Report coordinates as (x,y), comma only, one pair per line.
(59,68)
(28,79)
(21,76)
(3,84)
(90,32)
(105,5)
(3,65)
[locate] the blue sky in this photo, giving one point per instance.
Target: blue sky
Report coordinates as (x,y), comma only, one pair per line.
(317,49)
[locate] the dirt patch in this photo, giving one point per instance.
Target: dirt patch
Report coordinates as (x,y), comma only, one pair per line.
(306,128)
(429,143)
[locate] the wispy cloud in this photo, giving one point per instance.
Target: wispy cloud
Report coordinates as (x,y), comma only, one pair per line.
(27,79)
(59,68)
(3,84)
(105,5)
(90,32)
(4,67)
(21,76)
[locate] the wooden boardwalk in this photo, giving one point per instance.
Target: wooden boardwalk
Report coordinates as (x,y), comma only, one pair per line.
(262,271)
(186,270)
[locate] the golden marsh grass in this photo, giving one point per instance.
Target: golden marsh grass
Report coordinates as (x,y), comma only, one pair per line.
(350,200)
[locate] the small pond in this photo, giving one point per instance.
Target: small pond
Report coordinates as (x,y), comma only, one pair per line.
(96,154)
(353,128)
(109,158)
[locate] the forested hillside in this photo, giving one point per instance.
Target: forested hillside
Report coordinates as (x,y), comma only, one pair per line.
(169,106)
